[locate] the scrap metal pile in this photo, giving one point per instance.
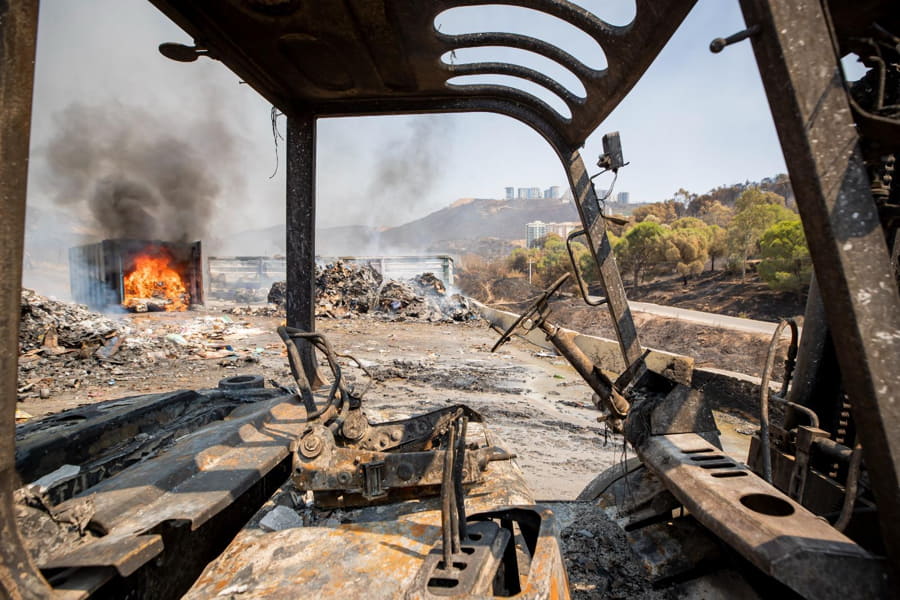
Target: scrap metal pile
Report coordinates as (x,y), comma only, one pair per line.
(346,290)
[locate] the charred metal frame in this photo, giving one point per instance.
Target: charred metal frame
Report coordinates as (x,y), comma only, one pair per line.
(97,271)
(798,64)
(19,576)
(313,59)
(301,231)
(321,59)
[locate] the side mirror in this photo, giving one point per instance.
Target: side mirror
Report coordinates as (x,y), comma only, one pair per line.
(611,159)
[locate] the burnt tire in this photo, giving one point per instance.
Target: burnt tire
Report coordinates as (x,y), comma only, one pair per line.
(242,382)
(602,482)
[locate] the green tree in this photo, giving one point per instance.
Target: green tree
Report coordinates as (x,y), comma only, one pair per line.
(757,211)
(786,265)
(717,244)
(666,211)
(716,213)
(754,196)
(520,257)
(553,260)
(687,247)
(642,246)
(688,223)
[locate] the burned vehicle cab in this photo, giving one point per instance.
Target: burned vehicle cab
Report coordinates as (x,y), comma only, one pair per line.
(250,490)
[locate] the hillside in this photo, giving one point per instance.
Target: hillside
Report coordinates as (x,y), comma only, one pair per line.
(504,219)
(453,229)
(477,225)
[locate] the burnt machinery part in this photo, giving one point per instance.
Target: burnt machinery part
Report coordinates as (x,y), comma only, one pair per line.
(242,382)
(537,308)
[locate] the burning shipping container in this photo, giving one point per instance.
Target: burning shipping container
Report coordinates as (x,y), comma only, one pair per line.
(137,275)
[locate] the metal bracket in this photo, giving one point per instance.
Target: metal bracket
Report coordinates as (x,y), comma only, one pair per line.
(373,473)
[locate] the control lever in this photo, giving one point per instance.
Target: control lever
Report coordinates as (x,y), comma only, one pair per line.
(535,317)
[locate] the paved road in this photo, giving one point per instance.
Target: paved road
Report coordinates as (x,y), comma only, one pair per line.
(705,318)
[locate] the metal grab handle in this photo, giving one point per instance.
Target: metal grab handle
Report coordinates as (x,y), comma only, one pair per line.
(575,269)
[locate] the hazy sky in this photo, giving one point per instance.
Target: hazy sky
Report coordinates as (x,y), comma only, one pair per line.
(696,120)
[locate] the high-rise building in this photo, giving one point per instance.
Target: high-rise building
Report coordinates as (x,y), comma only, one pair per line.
(534,231)
(547,194)
(554,192)
(534,193)
(523,194)
(622,197)
(563,229)
(601,194)
(510,193)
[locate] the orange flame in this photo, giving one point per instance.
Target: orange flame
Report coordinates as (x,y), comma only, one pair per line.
(154,279)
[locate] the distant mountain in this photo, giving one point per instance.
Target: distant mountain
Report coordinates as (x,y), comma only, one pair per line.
(469,225)
(446,230)
(479,218)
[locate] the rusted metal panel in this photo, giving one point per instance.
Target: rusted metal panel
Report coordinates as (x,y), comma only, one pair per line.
(774,532)
(125,553)
(205,475)
(18,33)
(374,552)
(801,75)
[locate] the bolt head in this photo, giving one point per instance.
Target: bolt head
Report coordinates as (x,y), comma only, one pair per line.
(404,471)
(312,446)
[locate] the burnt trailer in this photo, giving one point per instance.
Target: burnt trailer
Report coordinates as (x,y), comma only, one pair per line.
(99,273)
(815,511)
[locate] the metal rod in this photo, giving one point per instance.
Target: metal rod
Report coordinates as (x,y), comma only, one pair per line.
(458,491)
(764,402)
(791,360)
(850,490)
(446,492)
(19,577)
(805,410)
(301,234)
(816,381)
(450,465)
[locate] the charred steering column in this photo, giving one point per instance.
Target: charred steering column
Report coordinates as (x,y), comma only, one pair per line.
(607,397)
(346,460)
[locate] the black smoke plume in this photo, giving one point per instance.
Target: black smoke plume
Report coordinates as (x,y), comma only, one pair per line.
(136,175)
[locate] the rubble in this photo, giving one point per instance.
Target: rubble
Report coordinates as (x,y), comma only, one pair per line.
(65,347)
(278,294)
(347,290)
(281,517)
(64,324)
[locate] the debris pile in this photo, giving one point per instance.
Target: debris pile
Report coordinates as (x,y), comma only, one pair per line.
(345,289)
(59,325)
(348,290)
(65,346)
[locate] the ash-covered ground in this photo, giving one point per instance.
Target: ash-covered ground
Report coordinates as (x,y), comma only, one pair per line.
(533,400)
(536,403)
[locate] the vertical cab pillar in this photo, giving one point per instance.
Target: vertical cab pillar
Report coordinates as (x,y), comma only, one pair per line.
(19,578)
(301,232)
